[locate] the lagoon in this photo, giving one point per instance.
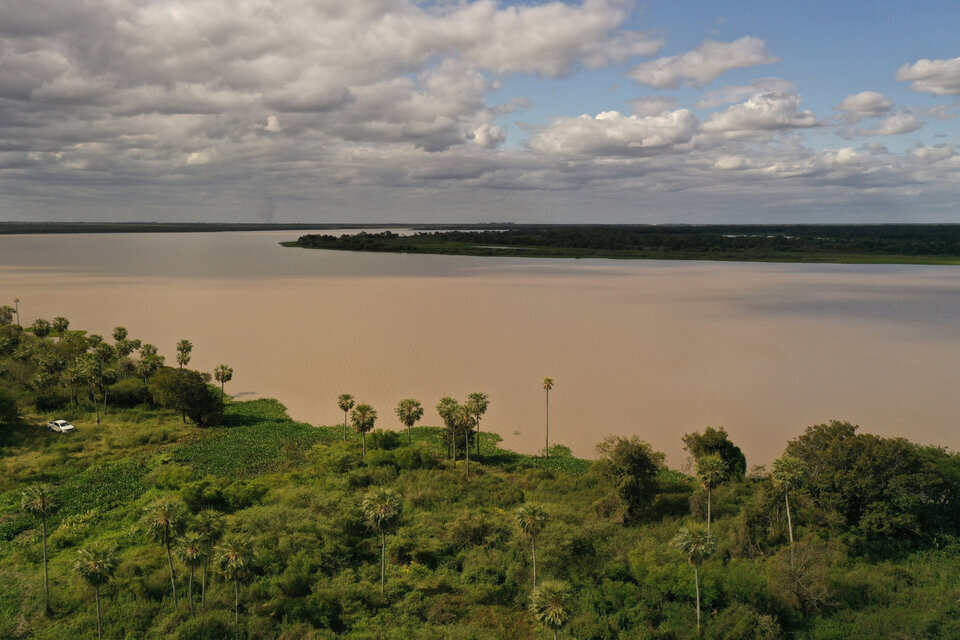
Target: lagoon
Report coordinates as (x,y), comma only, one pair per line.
(651,348)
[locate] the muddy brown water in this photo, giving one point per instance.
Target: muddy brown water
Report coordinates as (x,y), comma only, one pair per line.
(651,348)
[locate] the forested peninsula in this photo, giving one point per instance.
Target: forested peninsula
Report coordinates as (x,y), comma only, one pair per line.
(880,244)
(175,511)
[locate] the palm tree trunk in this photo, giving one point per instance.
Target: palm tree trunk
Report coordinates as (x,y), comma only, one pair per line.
(46,575)
(221,402)
(364,444)
(96,407)
(533,540)
(546,449)
(708,510)
(173,578)
(453,441)
(383,560)
(410,435)
(99,621)
(344,425)
(236,600)
(190,591)
(789,526)
(554,634)
(104,402)
(466,447)
(696,580)
(203,585)
(478,436)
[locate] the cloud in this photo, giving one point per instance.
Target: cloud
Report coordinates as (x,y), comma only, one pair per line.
(895,124)
(737,93)
(762,114)
(939,77)
(866,104)
(652,105)
(614,134)
(705,63)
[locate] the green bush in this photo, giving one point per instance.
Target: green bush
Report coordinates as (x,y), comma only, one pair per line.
(128,393)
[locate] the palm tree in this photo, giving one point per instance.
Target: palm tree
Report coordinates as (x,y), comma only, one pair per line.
(96,566)
(39,501)
(120,334)
(209,524)
(547,385)
(532,519)
(222,374)
(184,347)
(550,604)
(164,521)
(363,417)
(234,557)
(477,403)
(381,507)
(60,325)
(345,402)
(789,474)
(409,411)
(192,552)
(465,422)
(711,470)
(16,309)
(41,328)
(448,408)
(697,545)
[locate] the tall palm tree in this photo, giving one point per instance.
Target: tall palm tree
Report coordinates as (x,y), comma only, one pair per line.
(547,385)
(60,325)
(550,604)
(465,422)
(222,374)
(711,470)
(345,402)
(381,507)
(363,418)
(477,403)
(789,474)
(38,500)
(193,553)
(234,557)
(448,409)
(164,521)
(531,519)
(184,347)
(96,566)
(409,411)
(16,309)
(209,524)
(697,545)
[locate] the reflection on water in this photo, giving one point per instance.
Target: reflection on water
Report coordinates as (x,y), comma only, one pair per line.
(651,348)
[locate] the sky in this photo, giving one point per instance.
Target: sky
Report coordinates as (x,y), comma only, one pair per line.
(479,111)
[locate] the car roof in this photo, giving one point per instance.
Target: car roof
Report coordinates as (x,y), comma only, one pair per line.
(61,422)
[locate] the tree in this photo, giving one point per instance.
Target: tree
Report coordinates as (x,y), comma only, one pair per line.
(477,404)
(363,418)
(184,347)
(38,500)
(547,385)
(448,410)
(716,441)
(788,475)
(234,557)
(550,604)
(209,525)
(222,374)
(120,334)
(6,314)
(697,545)
(16,309)
(193,553)
(465,423)
(711,470)
(60,325)
(164,521)
(150,362)
(96,566)
(632,465)
(345,402)
(531,519)
(409,411)
(187,392)
(40,328)
(381,507)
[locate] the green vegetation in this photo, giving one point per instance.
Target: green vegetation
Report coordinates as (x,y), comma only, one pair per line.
(887,243)
(295,534)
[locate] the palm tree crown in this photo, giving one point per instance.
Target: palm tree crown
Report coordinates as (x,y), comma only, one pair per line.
(550,603)
(409,411)
(96,565)
(363,418)
(696,544)
(38,500)
(789,473)
(381,508)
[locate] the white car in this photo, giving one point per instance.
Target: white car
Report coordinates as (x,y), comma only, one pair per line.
(61,426)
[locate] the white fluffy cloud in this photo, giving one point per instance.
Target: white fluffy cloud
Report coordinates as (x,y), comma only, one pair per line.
(892,125)
(736,93)
(614,134)
(705,63)
(760,115)
(939,77)
(866,104)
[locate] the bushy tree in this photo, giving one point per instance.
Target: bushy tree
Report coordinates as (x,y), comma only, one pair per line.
(716,441)
(186,391)
(632,465)
(40,328)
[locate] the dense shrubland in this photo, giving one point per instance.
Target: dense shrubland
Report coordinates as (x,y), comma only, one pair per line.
(269,528)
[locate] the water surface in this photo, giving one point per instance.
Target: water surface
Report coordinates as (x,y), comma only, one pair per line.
(653,348)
